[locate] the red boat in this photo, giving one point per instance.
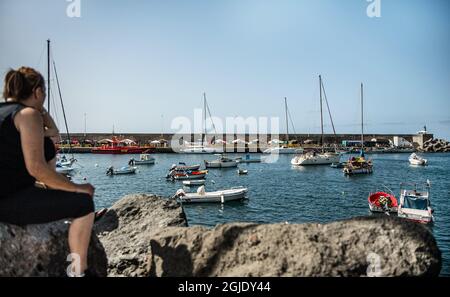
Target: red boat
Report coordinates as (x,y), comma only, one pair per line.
(117,147)
(382,202)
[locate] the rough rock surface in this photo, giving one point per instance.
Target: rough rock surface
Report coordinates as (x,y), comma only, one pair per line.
(436,146)
(42,250)
(371,246)
(126,229)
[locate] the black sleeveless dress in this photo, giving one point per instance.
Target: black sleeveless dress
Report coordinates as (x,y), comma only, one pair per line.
(22,203)
(13,172)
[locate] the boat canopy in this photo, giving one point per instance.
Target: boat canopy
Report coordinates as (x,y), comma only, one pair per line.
(415,203)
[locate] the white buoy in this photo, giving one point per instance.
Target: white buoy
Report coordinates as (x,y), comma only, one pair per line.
(96,165)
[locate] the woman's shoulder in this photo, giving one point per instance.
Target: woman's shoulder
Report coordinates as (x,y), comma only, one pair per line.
(29,112)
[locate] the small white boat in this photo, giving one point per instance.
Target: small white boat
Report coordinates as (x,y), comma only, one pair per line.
(121,171)
(415,204)
(242,171)
(144,159)
(64,169)
(211,197)
(313,158)
(283,150)
(199,182)
(222,162)
(417,160)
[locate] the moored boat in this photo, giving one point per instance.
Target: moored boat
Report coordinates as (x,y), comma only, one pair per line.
(415,204)
(382,202)
(201,196)
(358,165)
(313,158)
(417,160)
(199,182)
(116,147)
(121,171)
(222,162)
(144,159)
(183,167)
(187,175)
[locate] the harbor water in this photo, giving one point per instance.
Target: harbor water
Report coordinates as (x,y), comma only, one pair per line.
(278,192)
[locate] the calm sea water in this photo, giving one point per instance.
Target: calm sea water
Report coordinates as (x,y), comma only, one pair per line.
(279,192)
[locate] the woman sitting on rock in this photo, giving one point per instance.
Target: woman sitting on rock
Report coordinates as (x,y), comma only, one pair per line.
(27,156)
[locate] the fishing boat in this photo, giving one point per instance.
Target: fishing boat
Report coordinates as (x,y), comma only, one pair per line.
(284,149)
(417,160)
(64,169)
(359,165)
(183,167)
(117,147)
(382,202)
(190,183)
(187,175)
(121,171)
(415,204)
(144,159)
(310,158)
(201,196)
(222,162)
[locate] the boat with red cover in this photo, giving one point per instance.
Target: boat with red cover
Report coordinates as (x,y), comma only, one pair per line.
(114,146)
(382,202)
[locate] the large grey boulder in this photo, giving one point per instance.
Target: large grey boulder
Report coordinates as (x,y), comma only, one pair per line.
(371,246)
(126,229)
(42,250)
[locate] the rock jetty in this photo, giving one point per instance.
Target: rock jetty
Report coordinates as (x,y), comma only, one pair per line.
(436,146)
(42,250)
(148,236)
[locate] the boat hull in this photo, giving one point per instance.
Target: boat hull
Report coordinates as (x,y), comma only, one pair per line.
(283,151)
(382,202)
(199,182)
(320,159)
(214,197)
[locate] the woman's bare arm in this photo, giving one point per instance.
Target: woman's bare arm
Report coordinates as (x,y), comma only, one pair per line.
(29,122)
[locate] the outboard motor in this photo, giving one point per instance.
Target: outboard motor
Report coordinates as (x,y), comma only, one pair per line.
(110,171)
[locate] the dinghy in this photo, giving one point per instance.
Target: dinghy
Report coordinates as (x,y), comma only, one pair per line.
(211,197)
(144,159)
(199,182)
(417,160)
(183,167)
(121,171)
(242,171)
(187,175)
(382,202)
(64,169)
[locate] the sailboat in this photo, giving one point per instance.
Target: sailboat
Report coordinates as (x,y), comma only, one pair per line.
(285,149)
(313,157)
(359,164)
(63,165)
(201,148)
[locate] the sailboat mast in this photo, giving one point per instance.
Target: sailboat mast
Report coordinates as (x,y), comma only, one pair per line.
(48,75)
(204,122)
(362,116)
(287,125)
(321,111)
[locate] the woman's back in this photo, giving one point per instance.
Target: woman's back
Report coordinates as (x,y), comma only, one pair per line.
(13,172)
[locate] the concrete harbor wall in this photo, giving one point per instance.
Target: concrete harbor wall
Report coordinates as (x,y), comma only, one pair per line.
(418,140)
(144,138)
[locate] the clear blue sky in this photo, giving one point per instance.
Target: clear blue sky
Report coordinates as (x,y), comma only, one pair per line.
(138,64)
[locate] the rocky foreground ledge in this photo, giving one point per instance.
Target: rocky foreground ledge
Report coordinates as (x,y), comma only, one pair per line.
(145,235)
